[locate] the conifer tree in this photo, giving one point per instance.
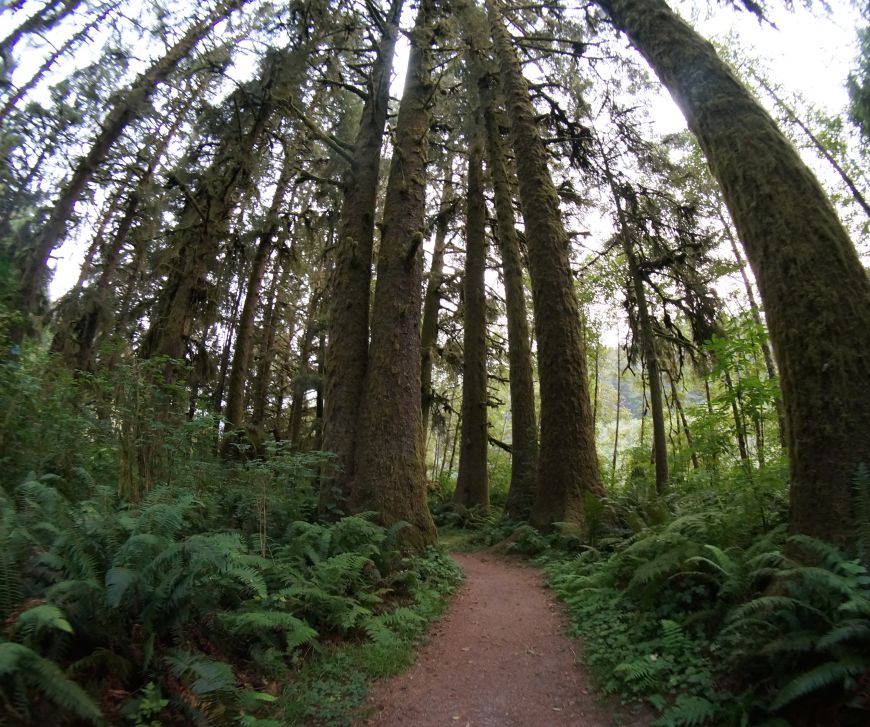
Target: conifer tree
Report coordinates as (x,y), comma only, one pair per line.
(568,463)
(390,469)
(815,292)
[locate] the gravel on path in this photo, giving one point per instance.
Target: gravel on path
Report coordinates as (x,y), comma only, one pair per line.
(498,658)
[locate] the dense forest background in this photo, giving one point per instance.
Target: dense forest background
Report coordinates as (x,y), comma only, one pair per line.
(321,311)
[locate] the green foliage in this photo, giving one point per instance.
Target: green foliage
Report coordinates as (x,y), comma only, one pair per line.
(714,617)
(102,594)
(813,637)
(24,673)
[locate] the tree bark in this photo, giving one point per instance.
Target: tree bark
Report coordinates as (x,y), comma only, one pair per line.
(202,225)
(472,486)
(815,292)
(390,476)
(432,301)
(648,345)
(524,426)
(273,317)
(347,313)
(568,462)
(235,410)
(755,311)
(79,337)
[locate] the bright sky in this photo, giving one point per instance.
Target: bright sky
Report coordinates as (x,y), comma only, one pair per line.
(805,53)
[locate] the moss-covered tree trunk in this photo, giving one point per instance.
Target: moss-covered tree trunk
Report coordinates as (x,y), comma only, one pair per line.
(472,485)
(202,226)
(275,316)
(78,334)
(390,472)
(568,463)
(350,287)
(235,409)
(815,292)
(302,379)
(646,333)
(755,310)
(524,426)
(432,300)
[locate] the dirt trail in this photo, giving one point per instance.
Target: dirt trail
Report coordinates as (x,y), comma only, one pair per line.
(499,658)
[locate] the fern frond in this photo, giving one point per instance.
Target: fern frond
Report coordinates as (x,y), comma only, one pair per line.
(829,554)
(688,711)
(117,581)
(210,675)
(849,630)
(800,642)
(47,678)
(40,618)
(824,675)
(251,579)
(763,604)
(297,632)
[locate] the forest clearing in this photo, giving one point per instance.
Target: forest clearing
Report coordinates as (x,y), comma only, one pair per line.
(416,362)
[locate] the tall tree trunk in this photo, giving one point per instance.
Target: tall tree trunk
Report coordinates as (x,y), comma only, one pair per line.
(235,411)
(815,292)
(432,301)
(272,318)
(524,426)
(347,347)
(645,331)
(755,311)
(568,462)
(202,226)
(131,104)
(217,401)
(596,379)
(80,336)
(390,475)
(675,397)
(739,425)
(618,409)
(648,343)
(301,382)
(472,485)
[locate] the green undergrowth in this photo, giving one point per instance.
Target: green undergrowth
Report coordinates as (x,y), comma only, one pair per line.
(130,614)
(700,606)
(183,590)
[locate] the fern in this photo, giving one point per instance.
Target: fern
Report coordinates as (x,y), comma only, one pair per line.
(19,663)
(251,622)
(839,672)
(861,512)
(208,675)
(38,619)
(688,710)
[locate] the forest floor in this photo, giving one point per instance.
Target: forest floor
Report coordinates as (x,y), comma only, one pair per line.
(498,658)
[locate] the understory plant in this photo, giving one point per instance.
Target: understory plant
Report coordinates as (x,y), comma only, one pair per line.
(153,612)
(713,616)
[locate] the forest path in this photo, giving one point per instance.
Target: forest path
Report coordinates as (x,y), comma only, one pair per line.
(498,658)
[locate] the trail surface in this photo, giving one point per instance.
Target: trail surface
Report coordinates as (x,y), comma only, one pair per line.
(499,658)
